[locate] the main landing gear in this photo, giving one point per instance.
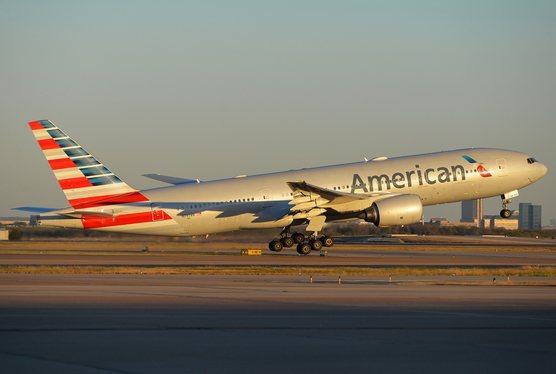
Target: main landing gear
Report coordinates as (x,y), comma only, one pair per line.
(288,240)
(505,213)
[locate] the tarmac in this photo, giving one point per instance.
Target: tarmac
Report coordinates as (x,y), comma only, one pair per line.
(53,323)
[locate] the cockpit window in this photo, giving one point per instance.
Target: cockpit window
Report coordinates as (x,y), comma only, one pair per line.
(531,160)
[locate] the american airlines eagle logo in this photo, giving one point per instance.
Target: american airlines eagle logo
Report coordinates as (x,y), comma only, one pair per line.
(483,171)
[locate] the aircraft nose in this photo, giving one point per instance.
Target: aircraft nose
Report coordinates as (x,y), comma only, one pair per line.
(543,169)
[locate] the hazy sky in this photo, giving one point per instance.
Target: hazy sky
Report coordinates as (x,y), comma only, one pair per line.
(214,89)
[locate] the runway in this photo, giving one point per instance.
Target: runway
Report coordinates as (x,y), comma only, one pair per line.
(93,323)
(291,258)
(275,324)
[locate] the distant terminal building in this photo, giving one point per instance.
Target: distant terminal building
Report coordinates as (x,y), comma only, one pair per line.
(14,221)
(497,222)
(472,211)
(530,216)
(440,221)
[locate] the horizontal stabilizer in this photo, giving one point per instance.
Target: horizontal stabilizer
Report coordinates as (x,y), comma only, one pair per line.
(170,180)
(34,209)
(79,213)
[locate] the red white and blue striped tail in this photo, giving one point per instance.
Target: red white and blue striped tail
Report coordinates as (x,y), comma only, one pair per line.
(85,180)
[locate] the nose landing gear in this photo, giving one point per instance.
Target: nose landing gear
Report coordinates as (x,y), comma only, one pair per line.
(505,213)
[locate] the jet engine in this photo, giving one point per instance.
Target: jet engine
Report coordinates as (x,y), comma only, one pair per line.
(394,211)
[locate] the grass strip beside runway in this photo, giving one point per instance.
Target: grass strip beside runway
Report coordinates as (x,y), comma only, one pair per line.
(523,271)
(168,248)
(499,283)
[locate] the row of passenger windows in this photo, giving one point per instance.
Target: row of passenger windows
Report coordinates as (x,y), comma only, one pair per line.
(209,205)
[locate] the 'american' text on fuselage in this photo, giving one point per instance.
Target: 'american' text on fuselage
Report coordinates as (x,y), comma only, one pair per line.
(401,180)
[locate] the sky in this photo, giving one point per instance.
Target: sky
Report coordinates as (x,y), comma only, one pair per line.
(214,89)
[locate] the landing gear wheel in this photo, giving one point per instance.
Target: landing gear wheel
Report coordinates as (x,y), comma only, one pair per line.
(303,249)
(298,238)
(316,245)
(327,241)
(275,246)
(287,242)
(505,213)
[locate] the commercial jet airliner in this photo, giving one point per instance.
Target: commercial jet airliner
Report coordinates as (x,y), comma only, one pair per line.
(384,191)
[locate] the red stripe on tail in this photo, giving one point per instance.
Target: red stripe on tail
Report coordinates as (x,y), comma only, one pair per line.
(48,144)
(94,201)
(71,183)
(35,125)
(61,163)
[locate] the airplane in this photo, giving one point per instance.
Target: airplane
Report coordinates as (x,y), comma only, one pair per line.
(383,191)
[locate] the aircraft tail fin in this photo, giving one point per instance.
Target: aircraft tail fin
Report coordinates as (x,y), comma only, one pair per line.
(84,180)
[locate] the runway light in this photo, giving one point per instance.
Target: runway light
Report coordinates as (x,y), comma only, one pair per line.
(339,280)
(390,278)
(494,281)
(311,279)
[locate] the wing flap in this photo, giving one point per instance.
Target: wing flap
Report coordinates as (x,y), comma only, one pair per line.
(304,192)
(310,200)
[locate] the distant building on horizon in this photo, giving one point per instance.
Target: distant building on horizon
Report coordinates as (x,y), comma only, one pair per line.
(472,211)
(441,221)
(530,216)
(535,217)
(497,222)
(524,215)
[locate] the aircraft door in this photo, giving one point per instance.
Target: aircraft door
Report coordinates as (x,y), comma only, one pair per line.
(157,213)
(501,163)
(266,195)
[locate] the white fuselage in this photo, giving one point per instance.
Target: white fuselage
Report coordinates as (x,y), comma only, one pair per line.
(262,201)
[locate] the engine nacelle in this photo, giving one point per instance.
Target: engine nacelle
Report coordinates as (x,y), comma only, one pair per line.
(395,211)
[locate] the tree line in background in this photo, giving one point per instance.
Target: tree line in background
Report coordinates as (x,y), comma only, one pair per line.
(32,233)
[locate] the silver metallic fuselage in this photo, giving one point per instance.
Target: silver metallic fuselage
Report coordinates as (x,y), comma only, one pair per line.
(261,201)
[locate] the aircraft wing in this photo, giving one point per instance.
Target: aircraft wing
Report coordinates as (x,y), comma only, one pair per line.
(170,180)
(308,197)
(304,190)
